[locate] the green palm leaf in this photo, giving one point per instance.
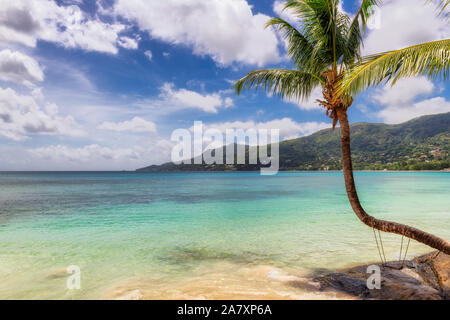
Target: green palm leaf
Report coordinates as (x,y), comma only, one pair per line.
(318,25)
(359,23)
(282,82)
(300,49)
(431,59)
(442,7)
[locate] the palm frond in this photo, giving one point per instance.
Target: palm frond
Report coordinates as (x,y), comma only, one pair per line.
(359,23)
(442,8)
(282,82)
(316,24)
(431,59)
(366,11)
(342,29)
(300,49)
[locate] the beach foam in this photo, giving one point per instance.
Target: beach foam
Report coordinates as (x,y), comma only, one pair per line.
(224,280)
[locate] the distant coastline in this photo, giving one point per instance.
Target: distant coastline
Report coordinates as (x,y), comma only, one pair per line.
(199,171)
(421,144)
(232,171)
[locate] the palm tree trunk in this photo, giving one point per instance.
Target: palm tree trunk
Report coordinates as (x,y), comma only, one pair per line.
(382,225)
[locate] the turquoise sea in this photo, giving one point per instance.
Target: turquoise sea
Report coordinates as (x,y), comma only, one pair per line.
(201,235)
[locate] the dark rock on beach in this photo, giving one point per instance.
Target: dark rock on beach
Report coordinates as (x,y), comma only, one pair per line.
(425,277)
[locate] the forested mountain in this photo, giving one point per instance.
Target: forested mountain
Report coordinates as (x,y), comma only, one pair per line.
(419,144)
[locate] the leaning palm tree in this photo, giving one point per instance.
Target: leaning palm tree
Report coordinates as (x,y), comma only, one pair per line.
(325,51)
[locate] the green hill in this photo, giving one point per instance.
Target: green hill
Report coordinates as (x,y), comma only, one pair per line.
(419,144)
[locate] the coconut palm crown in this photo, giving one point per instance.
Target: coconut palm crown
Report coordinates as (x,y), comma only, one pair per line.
(325,49)
(325,46)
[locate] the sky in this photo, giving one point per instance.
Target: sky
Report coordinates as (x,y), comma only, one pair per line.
(101,85)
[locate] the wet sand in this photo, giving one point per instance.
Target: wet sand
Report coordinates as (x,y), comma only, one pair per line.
(224,280)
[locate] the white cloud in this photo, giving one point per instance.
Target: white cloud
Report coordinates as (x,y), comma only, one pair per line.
(429,106)
(310,103)
(72,1)
(128,43)
(93,156)
(404,23)
(21,116)
(403,92)
(400,102)
(228,102)
(85,154)
(148,54)
(183,98)
(226,30)
(19,68)
(26,21)
(278,7)
(289,129)
(137,124)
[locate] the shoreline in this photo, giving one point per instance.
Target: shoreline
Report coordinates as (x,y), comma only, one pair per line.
(425,277)
(198,171)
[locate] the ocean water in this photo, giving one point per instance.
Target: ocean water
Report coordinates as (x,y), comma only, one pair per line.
(201,235)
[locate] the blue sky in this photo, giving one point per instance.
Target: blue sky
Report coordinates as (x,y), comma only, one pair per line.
(89,85)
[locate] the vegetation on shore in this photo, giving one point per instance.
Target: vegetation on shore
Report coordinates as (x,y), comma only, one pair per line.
(419,144)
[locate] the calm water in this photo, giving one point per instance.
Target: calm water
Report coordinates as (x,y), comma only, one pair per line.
(196,235)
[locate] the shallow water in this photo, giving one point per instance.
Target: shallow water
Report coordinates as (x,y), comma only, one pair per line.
(200,235)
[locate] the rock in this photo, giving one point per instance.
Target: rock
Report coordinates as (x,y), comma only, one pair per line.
(424,278)
(436,268)
(344,283)
(404,284)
